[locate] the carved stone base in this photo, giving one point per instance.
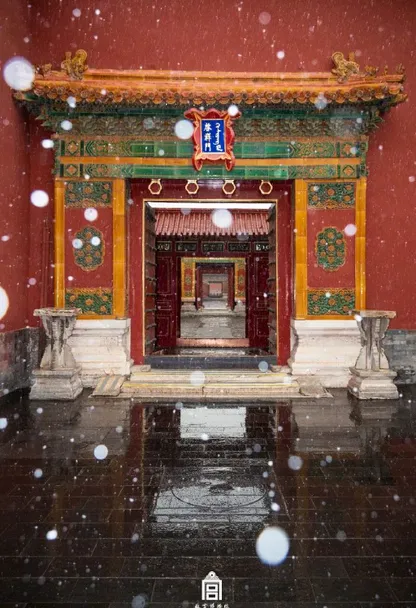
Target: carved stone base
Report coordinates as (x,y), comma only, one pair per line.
(56,384)
(325,349)
(365,384)
(101,347)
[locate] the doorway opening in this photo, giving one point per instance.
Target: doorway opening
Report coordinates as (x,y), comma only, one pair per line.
(215,278)
(215,314)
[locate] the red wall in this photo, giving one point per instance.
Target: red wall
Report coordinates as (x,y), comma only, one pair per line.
(344,277)
(41,223)
(14,174)
(227,35)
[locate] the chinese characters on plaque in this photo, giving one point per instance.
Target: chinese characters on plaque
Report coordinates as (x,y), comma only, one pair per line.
(213,136)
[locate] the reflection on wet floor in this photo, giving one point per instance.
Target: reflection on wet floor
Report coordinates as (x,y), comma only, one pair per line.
(186,490)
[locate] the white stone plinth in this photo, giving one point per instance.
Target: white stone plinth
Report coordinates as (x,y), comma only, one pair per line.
(373,384)
(60,384)
(101,347)
(326,349)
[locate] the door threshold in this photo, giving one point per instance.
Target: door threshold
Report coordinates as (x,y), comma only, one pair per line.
(226,361)
(213,343)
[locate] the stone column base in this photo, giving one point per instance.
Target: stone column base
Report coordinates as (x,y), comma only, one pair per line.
(101,348)
(188,307)
(56,384)
(365,384)
(326,349)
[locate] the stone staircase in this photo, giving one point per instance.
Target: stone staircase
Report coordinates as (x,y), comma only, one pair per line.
(210,385)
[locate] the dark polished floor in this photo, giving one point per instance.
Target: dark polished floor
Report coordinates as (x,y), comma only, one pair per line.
(186,490)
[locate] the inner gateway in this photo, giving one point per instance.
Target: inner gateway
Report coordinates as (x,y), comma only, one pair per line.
(214,270)
(215,313)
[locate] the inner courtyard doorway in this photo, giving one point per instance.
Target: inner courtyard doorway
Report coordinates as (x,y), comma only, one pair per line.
(173,237)
(215,314)
(213,275)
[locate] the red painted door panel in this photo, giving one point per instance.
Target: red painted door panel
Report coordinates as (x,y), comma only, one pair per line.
(258,274)
(166,302)
(150,281)
(272,284)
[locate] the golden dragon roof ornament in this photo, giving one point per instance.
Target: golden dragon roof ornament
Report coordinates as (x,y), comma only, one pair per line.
(75,66)
(344,68)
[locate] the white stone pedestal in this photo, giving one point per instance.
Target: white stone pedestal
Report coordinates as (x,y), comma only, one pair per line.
(101,348)
(371,375)
(58,376)
(373,385)
(56,384)
(326,349)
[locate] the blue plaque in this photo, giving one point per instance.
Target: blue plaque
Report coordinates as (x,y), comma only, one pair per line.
(212,136)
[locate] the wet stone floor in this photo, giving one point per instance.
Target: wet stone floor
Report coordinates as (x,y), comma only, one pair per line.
(182,490)
(209,325)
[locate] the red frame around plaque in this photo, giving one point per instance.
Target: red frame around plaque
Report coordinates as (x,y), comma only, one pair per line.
(196,116)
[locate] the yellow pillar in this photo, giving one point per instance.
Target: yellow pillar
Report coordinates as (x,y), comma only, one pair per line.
(301,277)
(360,222)
(59,238)
(119,247)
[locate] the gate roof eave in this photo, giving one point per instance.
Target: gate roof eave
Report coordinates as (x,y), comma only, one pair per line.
(111,90)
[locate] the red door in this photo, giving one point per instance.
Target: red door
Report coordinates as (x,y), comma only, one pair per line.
(272,290)
(257,300)
(150,281)
(166,301)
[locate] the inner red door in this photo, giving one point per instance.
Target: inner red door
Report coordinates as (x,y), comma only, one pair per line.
(256,301)
(166,301)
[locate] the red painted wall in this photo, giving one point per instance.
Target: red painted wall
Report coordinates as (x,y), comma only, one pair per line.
(344,276)
(14,174)
(228,35)
(102,276)
(40,265)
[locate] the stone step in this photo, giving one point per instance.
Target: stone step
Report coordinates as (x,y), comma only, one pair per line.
(192,361)
(108,386)
(209,377)
(211,392)
(214,384)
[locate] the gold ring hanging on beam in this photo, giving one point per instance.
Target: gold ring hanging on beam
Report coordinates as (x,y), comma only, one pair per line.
(229,186)
(192,186)
(265,187)
(155,187)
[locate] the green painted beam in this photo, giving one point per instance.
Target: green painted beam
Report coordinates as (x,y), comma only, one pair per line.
(213,171)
